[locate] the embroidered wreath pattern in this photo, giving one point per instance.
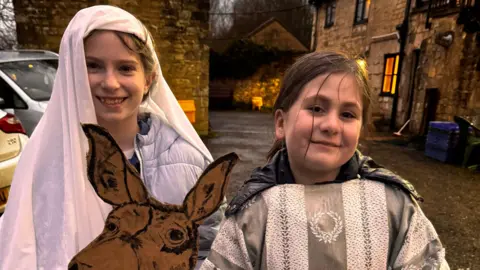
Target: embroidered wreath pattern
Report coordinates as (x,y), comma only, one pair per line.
(323,236)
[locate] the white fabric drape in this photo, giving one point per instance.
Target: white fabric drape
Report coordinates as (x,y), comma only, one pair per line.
(53,212)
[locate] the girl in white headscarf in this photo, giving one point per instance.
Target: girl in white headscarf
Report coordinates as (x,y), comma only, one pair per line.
(108,74)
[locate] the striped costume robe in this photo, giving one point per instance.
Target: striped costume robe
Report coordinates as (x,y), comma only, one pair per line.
(359,222)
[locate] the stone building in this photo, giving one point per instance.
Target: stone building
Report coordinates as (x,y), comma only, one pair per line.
(178,28)
(273,34)
(264,80)
(440,71)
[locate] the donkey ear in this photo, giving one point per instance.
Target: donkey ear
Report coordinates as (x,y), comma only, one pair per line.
(208,193)
(114,179)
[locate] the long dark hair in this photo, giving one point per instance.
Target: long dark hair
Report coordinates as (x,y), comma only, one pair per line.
(310,66)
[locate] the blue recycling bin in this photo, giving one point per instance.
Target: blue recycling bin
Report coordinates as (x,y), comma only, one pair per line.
(442,139)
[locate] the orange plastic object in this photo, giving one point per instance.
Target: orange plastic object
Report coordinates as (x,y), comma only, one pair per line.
(188,106)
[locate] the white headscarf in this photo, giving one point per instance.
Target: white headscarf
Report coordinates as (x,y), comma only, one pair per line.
(53,211)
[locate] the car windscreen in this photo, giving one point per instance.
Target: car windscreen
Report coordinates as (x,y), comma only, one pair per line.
(34,77)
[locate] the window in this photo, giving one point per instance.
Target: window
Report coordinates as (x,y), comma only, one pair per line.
(34,77)
(330,14)
(390,75)
(10,99)
(421,3)
(361,11)
(441,4)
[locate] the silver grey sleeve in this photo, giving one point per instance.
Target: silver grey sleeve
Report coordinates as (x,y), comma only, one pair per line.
(417,245)
(240,241)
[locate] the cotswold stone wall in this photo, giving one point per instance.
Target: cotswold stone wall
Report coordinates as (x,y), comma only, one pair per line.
(343,35)
(442,68)
(177,26)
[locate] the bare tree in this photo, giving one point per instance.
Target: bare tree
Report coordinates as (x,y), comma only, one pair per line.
(221,19)
(8,36)
(233,19)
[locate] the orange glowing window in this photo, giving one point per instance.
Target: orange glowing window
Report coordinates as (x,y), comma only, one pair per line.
(390,74)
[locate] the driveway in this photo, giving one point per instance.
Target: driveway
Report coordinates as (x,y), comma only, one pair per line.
(249,134)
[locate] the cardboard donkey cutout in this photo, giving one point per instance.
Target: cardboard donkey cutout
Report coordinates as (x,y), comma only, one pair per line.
(140,232)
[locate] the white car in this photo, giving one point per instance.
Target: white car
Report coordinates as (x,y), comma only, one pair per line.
(26,83)
(12,142)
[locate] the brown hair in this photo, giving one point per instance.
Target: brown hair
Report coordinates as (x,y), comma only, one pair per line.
(140,47)
(310,66)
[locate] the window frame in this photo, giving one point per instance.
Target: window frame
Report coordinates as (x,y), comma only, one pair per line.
(363,20)
(13,101)
(396,59)
(330,20)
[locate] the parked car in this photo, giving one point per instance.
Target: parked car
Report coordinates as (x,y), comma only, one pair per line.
(26,83)
(12,141)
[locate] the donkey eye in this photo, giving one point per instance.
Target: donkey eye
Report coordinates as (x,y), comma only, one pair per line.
(111,227)
(175,235)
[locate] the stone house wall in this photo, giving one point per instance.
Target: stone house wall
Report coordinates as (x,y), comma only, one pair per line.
(177,26)
(343,35)
(266,80)
(452,70)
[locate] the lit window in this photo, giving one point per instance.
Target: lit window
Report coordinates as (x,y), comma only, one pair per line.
(390,74)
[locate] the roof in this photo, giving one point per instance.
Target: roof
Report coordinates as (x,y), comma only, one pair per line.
(25,55)
(274,20)
(264,25)
(221,46)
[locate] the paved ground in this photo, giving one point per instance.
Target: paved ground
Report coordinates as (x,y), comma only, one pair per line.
(249,134)
(452,194)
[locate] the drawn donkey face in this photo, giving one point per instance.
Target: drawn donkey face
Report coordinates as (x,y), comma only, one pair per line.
(140,232)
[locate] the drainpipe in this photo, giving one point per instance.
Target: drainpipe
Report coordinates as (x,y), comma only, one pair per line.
(313,43)
(403,31)
(412,87)
(428,24)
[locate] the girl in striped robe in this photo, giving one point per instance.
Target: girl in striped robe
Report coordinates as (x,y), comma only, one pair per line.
(319,203)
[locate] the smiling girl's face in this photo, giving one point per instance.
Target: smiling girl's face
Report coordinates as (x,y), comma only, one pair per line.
(322,128)
(117,78)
